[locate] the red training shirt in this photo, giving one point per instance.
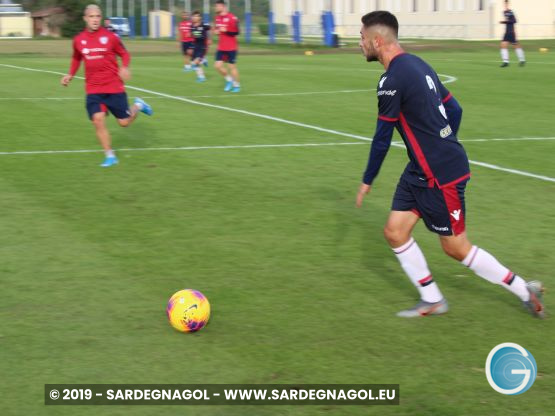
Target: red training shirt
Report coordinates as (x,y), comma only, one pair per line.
(185,30)
(98,50)
(230,24)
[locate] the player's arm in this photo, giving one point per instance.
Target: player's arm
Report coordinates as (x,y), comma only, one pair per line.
(234,29)
(120,50)
(378,151)
(452,108)
(389,110)
(74,66)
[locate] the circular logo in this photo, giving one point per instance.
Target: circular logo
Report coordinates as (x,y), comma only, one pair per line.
(510,369)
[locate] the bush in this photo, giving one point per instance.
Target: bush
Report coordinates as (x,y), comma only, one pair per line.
(279,29)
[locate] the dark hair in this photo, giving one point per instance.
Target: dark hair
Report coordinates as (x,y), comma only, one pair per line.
(221,2)
(196,12)
(383,18)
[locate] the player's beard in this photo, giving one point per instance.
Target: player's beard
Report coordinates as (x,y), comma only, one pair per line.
(371,55)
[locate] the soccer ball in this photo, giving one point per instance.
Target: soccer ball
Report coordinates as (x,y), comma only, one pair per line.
(188,310)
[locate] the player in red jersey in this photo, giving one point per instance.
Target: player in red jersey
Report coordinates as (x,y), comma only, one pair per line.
(187,41)
(98,47)
(227,27)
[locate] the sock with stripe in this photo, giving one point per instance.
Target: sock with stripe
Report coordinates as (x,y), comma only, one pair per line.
(488,267)
(414,264)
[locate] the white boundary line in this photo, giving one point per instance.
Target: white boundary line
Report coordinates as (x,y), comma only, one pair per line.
(283,94)
(149,149)
(289,122)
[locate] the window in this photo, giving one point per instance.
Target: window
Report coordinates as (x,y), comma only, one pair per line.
(434,5)
(480,5)
(414,7)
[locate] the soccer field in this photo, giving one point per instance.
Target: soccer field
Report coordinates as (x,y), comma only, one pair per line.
(249,198)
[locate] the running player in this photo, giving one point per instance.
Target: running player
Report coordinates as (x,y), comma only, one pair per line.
(186,41)
(227,27)
(412,99)
(510,37)
(98,47)
(200,32)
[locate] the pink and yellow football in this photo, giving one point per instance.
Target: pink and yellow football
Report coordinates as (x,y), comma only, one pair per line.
(188,310)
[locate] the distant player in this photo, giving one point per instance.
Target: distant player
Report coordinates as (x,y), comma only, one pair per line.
(200,32)
(186,41)
(412,99)
(227,27)
(510,37)
(108,25)
(99,47)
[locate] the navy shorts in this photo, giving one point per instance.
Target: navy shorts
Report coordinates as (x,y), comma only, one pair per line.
(114,103)
(199,53)
(227,56)
(185,46)
(443,210)
(510,37)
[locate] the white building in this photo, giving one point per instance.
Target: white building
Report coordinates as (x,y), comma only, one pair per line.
(462,19)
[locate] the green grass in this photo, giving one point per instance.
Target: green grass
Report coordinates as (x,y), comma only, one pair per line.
(302,285)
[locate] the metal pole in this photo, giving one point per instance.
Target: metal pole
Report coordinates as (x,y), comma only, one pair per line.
(271,33)
(131,13)
(248,21)
(206,16)
(144,19)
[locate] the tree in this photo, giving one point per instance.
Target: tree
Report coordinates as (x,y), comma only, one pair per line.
(74,16)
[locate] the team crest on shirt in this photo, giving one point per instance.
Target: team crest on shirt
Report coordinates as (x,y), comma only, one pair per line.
(103,40)
(83,42)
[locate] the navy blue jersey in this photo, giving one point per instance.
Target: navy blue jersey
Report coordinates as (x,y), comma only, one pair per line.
(200,34)
(411,95)
(510,21)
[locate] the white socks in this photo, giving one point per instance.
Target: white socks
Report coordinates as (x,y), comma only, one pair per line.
(109,153)
(520,54)
(487,267)
(414,264)
(228,78)
(199,71)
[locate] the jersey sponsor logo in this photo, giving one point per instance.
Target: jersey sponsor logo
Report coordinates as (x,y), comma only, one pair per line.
(446,132)
(85,51)
(104,40)
(382,81)
(387,92)
(456,214)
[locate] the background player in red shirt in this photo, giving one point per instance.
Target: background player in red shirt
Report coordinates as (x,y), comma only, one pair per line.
(187,40)
(227,27)
(98,47)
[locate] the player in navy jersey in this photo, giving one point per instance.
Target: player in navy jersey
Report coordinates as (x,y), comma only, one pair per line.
(200,33)
(510,37)
(413,100)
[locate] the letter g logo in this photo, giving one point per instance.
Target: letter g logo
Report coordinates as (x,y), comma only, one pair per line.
(510,369)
